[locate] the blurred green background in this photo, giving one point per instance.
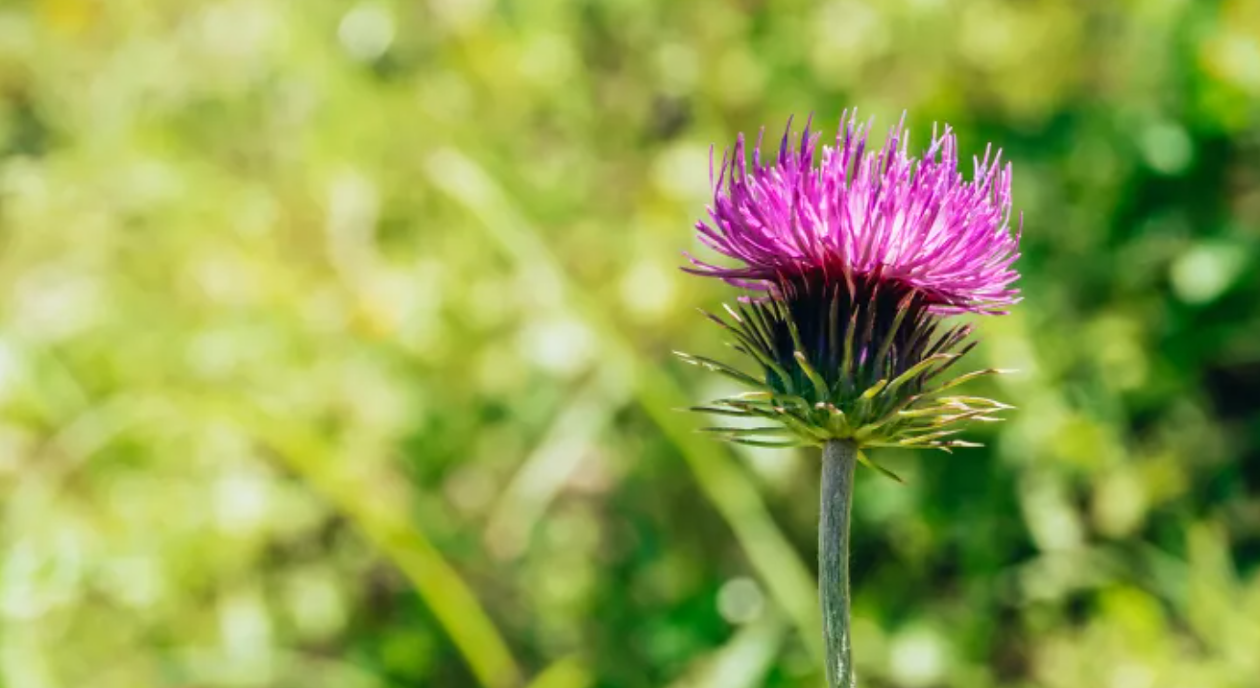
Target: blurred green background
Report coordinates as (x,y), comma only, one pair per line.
(334,348)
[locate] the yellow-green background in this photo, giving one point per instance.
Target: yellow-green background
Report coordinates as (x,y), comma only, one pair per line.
(334,348)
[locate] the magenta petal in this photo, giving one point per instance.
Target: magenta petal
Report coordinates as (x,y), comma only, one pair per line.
(848,210)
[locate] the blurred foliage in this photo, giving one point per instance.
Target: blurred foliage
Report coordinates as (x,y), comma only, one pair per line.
(334,348)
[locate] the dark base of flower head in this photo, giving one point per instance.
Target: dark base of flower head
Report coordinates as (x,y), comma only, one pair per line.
(854,331)
(855,357)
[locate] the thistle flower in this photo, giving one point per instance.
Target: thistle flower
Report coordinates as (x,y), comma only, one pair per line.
(852,265)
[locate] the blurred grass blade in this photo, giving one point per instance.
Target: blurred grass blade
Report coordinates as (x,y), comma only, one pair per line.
(566,673)
(1214,595)
(390,529)
(208,666)
(542,475)
(742,663)
(723,483)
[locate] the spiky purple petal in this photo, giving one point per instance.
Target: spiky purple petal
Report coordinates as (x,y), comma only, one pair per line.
(868,214)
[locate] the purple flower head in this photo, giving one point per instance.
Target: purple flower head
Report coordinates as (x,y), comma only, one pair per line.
(880,216)
(856,257)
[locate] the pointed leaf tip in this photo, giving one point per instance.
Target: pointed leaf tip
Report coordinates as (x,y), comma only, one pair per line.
(866,461)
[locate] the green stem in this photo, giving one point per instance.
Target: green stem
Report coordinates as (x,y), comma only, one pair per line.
(838,462)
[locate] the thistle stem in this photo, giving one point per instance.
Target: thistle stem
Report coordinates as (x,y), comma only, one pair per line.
(838,462)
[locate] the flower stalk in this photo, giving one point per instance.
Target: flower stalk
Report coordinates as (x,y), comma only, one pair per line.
(839,459)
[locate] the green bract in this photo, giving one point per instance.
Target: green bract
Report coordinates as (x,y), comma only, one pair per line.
(863,361)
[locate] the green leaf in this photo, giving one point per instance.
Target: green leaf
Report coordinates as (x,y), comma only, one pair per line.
(762,443)
(741,432)
(837,421)
(918,369)
(766,362)
(978,401)
(871,464)
(902,308)
(820,386)
(976,415)
(846,366)
(863,405)
(928,411)
(804,428)
(967,377)
(719,367)
(873,390)
(920,439)
(718,411)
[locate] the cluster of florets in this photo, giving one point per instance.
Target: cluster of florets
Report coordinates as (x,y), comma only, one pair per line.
(852,260)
